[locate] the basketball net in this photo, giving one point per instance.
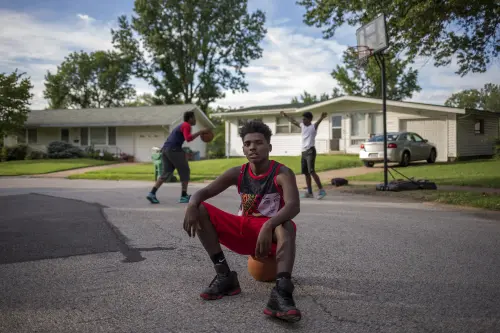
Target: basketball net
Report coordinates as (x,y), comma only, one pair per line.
(362,54)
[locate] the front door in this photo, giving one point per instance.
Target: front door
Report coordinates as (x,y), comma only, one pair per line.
(336,133)
(65,135)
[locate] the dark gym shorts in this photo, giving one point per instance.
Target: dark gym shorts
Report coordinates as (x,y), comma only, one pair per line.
(172,159)
(308,160)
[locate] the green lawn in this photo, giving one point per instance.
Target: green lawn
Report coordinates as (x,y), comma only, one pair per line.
(475,199)
(464,198)
(210,169)
(35,167)
(479,173)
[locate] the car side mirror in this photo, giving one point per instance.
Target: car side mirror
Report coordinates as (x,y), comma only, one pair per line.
(425,141)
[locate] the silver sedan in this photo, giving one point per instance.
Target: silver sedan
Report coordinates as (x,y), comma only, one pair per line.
(402,148)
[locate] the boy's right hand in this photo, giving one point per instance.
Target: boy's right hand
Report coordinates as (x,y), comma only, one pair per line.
(192,220)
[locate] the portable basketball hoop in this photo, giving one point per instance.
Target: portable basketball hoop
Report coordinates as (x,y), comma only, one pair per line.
(373,40)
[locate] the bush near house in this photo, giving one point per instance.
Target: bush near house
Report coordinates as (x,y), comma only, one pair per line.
(60,150)
(55,150)
(36,155)
(14,153)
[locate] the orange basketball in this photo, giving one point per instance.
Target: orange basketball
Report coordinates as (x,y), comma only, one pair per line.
(207,137)
(262,269)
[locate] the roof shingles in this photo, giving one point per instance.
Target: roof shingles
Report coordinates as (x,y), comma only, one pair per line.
(124,116)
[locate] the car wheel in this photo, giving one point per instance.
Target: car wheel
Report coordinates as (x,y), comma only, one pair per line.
(405,159)
(432,156)
(369,164)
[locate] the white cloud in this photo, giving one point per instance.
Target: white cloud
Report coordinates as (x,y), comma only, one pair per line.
(85,17)
(35,46)
(292,61)
(438,83)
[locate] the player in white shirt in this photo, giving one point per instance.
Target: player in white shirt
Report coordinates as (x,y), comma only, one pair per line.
(309,150)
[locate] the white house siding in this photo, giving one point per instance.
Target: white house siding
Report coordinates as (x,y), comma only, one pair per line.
(351,144)
(471,144)
(125,139)
(44,137)
(289,144)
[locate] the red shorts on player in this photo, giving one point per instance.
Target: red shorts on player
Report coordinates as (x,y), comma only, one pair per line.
(237,233)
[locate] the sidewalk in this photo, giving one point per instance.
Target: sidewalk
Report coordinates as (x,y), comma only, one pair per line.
(490,190)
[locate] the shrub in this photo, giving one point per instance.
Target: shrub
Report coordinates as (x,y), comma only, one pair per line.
(107,156)
(59,150)
(14,153)
(36,155)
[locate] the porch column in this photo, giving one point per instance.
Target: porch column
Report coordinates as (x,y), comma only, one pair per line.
(227,141)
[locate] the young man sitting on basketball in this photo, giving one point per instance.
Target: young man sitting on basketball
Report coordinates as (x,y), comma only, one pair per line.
(263,226)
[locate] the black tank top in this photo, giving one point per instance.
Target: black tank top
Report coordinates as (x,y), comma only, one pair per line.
(261,196)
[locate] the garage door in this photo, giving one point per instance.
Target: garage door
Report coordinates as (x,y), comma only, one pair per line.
(434,130)
(144,142)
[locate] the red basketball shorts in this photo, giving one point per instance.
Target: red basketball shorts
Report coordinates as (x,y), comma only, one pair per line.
(238,233)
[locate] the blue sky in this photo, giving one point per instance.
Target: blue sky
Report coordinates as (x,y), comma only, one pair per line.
(35,36)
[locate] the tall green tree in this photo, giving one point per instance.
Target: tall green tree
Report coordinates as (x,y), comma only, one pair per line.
(145,99)
(308,98)
(15,97)
(468,30)
(401,81)
(191,51)
(90,80)
(486,98)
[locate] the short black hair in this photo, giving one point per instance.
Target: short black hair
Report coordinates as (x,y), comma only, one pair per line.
(307,115)
(255,126)
(188,115)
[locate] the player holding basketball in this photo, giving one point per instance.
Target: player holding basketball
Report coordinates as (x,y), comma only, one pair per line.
(174,157)
(263,226)
(308,160)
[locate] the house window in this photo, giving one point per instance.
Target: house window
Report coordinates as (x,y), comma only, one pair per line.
(21,137)
(64,135)
(98,135)
(111,136)
(283,125)
(479,127)
(32,135)
(377,123)
(84,136)
(358,125)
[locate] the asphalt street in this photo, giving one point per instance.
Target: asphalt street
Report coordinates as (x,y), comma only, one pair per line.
(96,256)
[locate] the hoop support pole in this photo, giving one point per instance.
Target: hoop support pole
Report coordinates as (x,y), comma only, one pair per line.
(381,62)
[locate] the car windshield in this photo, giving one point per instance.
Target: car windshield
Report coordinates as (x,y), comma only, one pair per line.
(380,138)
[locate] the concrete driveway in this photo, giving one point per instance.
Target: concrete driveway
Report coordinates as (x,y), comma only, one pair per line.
(95,256)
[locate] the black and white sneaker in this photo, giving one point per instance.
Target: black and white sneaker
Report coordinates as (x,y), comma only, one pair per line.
(281,304)
(225,283)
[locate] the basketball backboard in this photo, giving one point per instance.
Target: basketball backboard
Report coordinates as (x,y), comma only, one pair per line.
(372,35)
